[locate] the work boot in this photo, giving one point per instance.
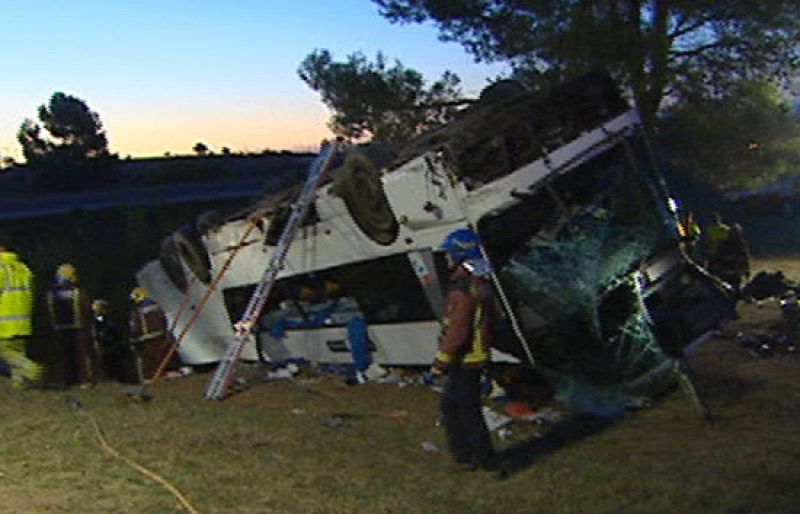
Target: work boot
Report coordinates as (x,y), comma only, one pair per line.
(24,384)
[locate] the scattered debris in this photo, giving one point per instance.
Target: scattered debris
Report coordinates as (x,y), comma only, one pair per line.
(391,378)
(429,446)
(335,422)
(138,393)
(519,410)
(549,416)
(279,374)
(504,433)
(375,372)
(497,391)
(73,402)
(766,344)
(341,419)
(767,284)
(493,420)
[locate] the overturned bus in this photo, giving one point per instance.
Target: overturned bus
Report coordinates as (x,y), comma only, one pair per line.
(593,287)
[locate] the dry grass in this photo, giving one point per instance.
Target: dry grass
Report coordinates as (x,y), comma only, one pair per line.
(269,450)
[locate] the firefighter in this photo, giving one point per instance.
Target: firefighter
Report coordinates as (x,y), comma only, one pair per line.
(463,353)
(689,232)
(70,316)
(16,306)
(716,232)
(790,311)
(148,334)
(731,261)
(114,351)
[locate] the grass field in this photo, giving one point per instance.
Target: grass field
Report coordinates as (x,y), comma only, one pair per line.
(273,449)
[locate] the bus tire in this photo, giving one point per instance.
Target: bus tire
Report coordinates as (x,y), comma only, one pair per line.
(191,249)
(359,185)
(170,262)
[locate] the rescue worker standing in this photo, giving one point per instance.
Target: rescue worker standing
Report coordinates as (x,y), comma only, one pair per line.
(70,317)
(790,311)
(148,333)
(16,306)
(731,262)
(716,233)
(464,347)
(116,357)
(689,232)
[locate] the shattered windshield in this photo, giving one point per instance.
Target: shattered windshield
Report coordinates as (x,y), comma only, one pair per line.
(565,257)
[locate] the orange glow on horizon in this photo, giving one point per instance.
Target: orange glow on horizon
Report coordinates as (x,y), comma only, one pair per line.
(240,132)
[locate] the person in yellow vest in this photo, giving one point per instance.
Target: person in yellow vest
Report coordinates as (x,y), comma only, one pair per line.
(731,261)
(16,307)
(70,316)
(149,335)
(463,353)
(716,233)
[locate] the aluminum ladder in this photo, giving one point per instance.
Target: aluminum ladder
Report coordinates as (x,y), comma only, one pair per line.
(243,330)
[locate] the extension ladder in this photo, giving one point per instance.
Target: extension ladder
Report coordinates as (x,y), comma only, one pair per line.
(223,376)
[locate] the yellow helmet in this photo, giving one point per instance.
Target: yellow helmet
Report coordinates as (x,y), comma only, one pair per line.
(99,306)
(139,294)
(67,272)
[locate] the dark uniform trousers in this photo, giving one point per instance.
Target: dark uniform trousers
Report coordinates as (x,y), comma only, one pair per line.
(76,344)
(467,436)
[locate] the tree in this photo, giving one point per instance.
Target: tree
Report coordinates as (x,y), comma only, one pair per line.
(737,140)
(376,100)
(656,48)
(73,150)
(72,128)
(200,149)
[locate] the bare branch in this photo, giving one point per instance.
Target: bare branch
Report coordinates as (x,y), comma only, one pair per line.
(680,32)
(678,54)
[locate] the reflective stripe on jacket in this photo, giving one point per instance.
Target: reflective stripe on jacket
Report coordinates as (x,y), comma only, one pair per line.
(16,296)
(466,337)
(147,322)
(65,303)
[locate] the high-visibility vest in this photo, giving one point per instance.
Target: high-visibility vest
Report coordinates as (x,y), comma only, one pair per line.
(473,347)
(716,233)
(16,296)
(688,230)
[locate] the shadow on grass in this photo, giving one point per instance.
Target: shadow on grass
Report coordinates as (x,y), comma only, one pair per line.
(523,455)
(723,390)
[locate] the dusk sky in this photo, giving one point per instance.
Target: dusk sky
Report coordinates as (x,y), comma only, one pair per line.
(165,74)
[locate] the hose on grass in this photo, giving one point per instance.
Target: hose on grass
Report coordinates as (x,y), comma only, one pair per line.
(76,405)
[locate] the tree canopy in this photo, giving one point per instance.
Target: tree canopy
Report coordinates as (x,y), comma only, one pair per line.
(747,135)
(71,126)
(373,99)
(656,48)
(69,139)
(200,149)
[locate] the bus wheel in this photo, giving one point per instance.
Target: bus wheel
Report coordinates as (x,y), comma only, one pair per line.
(170,262)
(191,249)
